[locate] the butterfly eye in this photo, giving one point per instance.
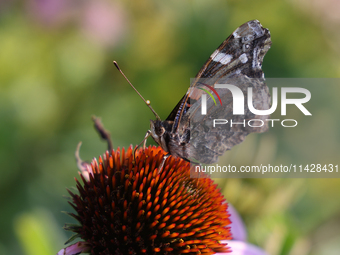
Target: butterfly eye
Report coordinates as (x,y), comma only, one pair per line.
(160,131)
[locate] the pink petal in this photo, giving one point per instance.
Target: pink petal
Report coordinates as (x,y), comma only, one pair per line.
(237,227)
(103,22)
(242,248)
(74,249)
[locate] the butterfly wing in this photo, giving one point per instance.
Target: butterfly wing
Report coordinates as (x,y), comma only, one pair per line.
(242,52)
(237,61)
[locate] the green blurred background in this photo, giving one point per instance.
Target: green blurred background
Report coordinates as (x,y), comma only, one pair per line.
(56,72)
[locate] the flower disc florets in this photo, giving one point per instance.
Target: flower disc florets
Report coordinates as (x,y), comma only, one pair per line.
(128,206)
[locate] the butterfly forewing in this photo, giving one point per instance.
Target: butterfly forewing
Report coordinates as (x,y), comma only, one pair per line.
(189,134)
(241,53)
(237,61)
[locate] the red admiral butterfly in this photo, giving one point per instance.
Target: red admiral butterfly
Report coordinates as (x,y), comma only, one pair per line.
(188,134)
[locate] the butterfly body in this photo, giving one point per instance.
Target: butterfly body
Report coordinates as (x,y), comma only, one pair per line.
(175,144)
(187,133)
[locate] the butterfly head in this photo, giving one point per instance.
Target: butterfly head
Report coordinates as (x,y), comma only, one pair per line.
(159,133)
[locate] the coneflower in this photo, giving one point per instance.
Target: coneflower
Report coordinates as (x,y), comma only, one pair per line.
(127,205)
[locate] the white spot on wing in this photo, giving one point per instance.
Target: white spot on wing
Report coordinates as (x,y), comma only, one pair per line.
(243,58)
(254,58)
(222,58)
(235,34)
(214,54)
(218,57)
(226,59)
(256,64)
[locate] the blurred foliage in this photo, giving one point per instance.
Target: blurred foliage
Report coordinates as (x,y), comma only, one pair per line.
(56,72)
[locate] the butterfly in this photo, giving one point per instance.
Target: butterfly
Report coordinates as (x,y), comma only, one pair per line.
(190,135)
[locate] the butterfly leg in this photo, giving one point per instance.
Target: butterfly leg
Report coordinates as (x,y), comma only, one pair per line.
(146,138)
(161,165)
(148,133)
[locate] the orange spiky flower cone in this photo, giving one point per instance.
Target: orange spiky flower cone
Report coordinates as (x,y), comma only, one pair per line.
(128,206)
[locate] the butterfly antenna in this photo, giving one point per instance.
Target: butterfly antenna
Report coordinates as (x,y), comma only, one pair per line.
(148,103)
